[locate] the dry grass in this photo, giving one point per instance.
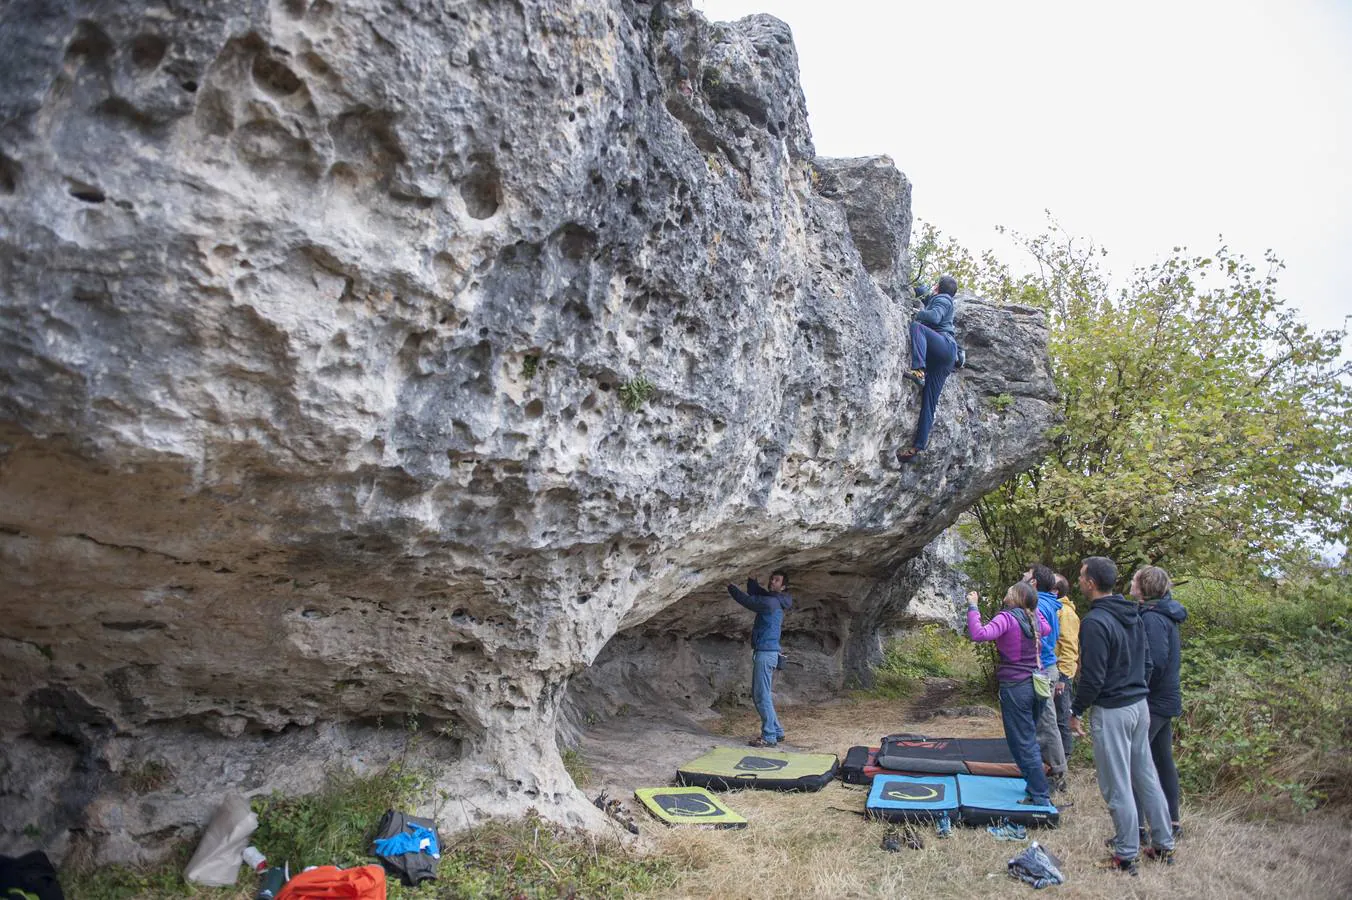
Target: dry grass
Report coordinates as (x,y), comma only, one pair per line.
(802,845)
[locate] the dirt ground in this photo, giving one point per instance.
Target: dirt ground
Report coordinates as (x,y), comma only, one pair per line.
(817,845)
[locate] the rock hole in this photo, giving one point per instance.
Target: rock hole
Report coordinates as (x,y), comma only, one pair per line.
(9,175)
(576,242)
(577,89)
(147,50)
(535,409)
(604,386)
(90,41)
(190,86)
(482,188)
(85,193)
(315,63)
(572,117)
(274,77)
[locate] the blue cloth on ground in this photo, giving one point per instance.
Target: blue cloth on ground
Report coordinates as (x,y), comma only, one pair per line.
(415,840)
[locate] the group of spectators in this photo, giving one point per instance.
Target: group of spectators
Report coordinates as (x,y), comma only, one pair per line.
(1120,665)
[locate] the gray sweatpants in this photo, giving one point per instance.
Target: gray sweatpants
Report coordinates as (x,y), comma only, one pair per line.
(1048,735)
(1126,777)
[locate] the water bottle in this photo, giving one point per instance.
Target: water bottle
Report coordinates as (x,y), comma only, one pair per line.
(255,860)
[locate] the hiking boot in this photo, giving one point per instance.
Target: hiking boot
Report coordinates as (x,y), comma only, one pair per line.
(891,840)
(916,375)
(760,742)
(1178,830)
(943,826)
(1160,855)
(907,455)
(913,839)
(1118,864)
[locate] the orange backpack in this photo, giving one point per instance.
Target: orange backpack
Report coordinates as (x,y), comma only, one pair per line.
(333,883)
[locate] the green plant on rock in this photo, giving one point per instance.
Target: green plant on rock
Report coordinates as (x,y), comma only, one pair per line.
(1002,402)
(576,766)
(636,392)
(529,366)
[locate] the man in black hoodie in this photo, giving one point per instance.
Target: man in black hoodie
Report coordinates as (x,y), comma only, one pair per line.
(1114,677)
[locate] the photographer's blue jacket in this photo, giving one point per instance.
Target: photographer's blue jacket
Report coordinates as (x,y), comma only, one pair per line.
(769,608)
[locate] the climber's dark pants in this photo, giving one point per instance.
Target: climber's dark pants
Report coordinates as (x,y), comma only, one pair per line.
(935,352)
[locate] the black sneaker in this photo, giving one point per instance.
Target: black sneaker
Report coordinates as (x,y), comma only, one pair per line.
(891,840)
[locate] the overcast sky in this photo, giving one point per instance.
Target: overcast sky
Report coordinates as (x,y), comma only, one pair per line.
(1141,125)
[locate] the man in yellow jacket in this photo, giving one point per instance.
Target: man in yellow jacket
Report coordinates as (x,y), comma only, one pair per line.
(1067,660)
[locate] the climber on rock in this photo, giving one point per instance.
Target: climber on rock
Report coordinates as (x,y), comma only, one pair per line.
(769,607)
(934,351)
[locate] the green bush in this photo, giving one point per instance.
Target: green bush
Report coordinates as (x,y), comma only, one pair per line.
(332,826)
(1267,711)
(930,651)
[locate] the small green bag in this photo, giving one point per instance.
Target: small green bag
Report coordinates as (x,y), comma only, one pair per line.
(1042,686)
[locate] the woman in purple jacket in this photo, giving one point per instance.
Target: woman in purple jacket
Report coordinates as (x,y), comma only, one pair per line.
(1017,630)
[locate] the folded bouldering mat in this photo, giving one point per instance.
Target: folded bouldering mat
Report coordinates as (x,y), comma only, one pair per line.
(688,806)
(938,756)
(942,756)
(912,798)
(861,766)
(857,761)
(989,756)
(986,799)
(731,768)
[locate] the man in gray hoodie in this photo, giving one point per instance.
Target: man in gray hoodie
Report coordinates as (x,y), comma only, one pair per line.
(1114,677)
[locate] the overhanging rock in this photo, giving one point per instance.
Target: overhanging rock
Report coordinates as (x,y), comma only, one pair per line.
(365,361)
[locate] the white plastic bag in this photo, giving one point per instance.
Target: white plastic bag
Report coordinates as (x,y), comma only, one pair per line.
(219,855)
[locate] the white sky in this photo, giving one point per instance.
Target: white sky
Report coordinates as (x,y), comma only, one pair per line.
(1141,125)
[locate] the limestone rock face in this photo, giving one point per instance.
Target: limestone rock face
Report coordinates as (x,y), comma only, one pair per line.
(367,361)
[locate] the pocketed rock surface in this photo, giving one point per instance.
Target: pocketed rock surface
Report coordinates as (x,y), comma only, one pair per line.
(398,378)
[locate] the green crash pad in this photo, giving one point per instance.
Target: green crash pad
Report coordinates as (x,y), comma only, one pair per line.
(733,768)
(688,806)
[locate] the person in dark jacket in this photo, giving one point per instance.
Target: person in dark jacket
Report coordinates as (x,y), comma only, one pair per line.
(769,607)
(933,354)
(1161,615)
(1115,671)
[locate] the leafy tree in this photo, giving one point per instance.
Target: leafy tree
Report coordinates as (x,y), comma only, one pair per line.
(1204,426)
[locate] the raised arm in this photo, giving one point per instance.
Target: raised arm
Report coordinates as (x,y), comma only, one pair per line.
(755,604)
(978,632)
